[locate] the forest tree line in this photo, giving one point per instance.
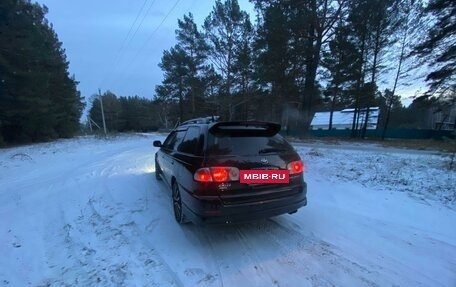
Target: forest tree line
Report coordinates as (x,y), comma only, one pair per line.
(303,56)
(295,58)
(39,100)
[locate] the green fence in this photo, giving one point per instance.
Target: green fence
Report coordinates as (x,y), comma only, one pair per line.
(390,133)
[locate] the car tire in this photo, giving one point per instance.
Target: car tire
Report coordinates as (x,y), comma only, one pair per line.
(177,205)
(158,171)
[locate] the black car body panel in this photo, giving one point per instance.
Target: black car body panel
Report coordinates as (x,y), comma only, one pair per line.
(244,145)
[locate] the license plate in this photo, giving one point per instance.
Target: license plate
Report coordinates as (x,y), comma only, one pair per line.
(264,176)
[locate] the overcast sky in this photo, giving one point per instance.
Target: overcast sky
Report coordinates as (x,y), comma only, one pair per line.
(94,35)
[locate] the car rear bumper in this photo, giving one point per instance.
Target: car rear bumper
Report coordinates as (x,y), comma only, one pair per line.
(213,210)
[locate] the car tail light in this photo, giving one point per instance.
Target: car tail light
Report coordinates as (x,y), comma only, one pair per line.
(203,175)
(295,167)
(219,174)
(216,174)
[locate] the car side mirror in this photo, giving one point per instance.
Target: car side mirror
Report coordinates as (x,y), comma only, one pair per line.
(157,144)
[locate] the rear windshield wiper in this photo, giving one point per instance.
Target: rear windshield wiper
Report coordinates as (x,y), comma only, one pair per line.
(270,150)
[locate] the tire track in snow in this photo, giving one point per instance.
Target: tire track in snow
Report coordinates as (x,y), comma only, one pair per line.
(298,247)
(107,253)
(234,256)
(270,250)
(255,256)
(325,256)
(203,237)
(130,230)
(131,227)
(192,274)
(94,237)
(136,233)
(194,267)
(60,265)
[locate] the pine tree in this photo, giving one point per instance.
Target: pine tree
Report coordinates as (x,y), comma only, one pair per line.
(406,26)
(273,63)
(38,99)
(226,29)
(340,61)
(438,49)
(371,24)
(175,64)
(292,35)
(191,42)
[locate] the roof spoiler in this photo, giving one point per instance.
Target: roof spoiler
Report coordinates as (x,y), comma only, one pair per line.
(245,128)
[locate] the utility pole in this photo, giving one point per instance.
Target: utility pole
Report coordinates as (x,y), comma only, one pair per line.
(102,112)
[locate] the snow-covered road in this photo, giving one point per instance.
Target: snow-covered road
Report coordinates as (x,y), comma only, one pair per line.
(88,212)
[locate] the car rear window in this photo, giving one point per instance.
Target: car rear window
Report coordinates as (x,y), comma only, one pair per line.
(246,145)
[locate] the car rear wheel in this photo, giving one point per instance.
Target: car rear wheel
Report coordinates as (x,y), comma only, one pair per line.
(177,205)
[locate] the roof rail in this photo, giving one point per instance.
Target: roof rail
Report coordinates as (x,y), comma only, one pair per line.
(203,120)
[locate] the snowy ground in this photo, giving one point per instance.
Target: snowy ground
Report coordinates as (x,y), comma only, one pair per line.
(88,212)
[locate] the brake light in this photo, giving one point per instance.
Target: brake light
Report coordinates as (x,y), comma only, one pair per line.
(216,174)
(203,175)
(219,174)
(295,167)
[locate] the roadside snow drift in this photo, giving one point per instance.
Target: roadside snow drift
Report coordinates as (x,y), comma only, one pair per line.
(88,212)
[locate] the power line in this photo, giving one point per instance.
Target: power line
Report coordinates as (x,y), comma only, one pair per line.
(144,17)
(149,38)
(127,40)
(132,25)
(159,25)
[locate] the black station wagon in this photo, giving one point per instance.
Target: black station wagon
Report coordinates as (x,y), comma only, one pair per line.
(201,161)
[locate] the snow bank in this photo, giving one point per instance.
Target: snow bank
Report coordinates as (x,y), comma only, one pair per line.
(422,174)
